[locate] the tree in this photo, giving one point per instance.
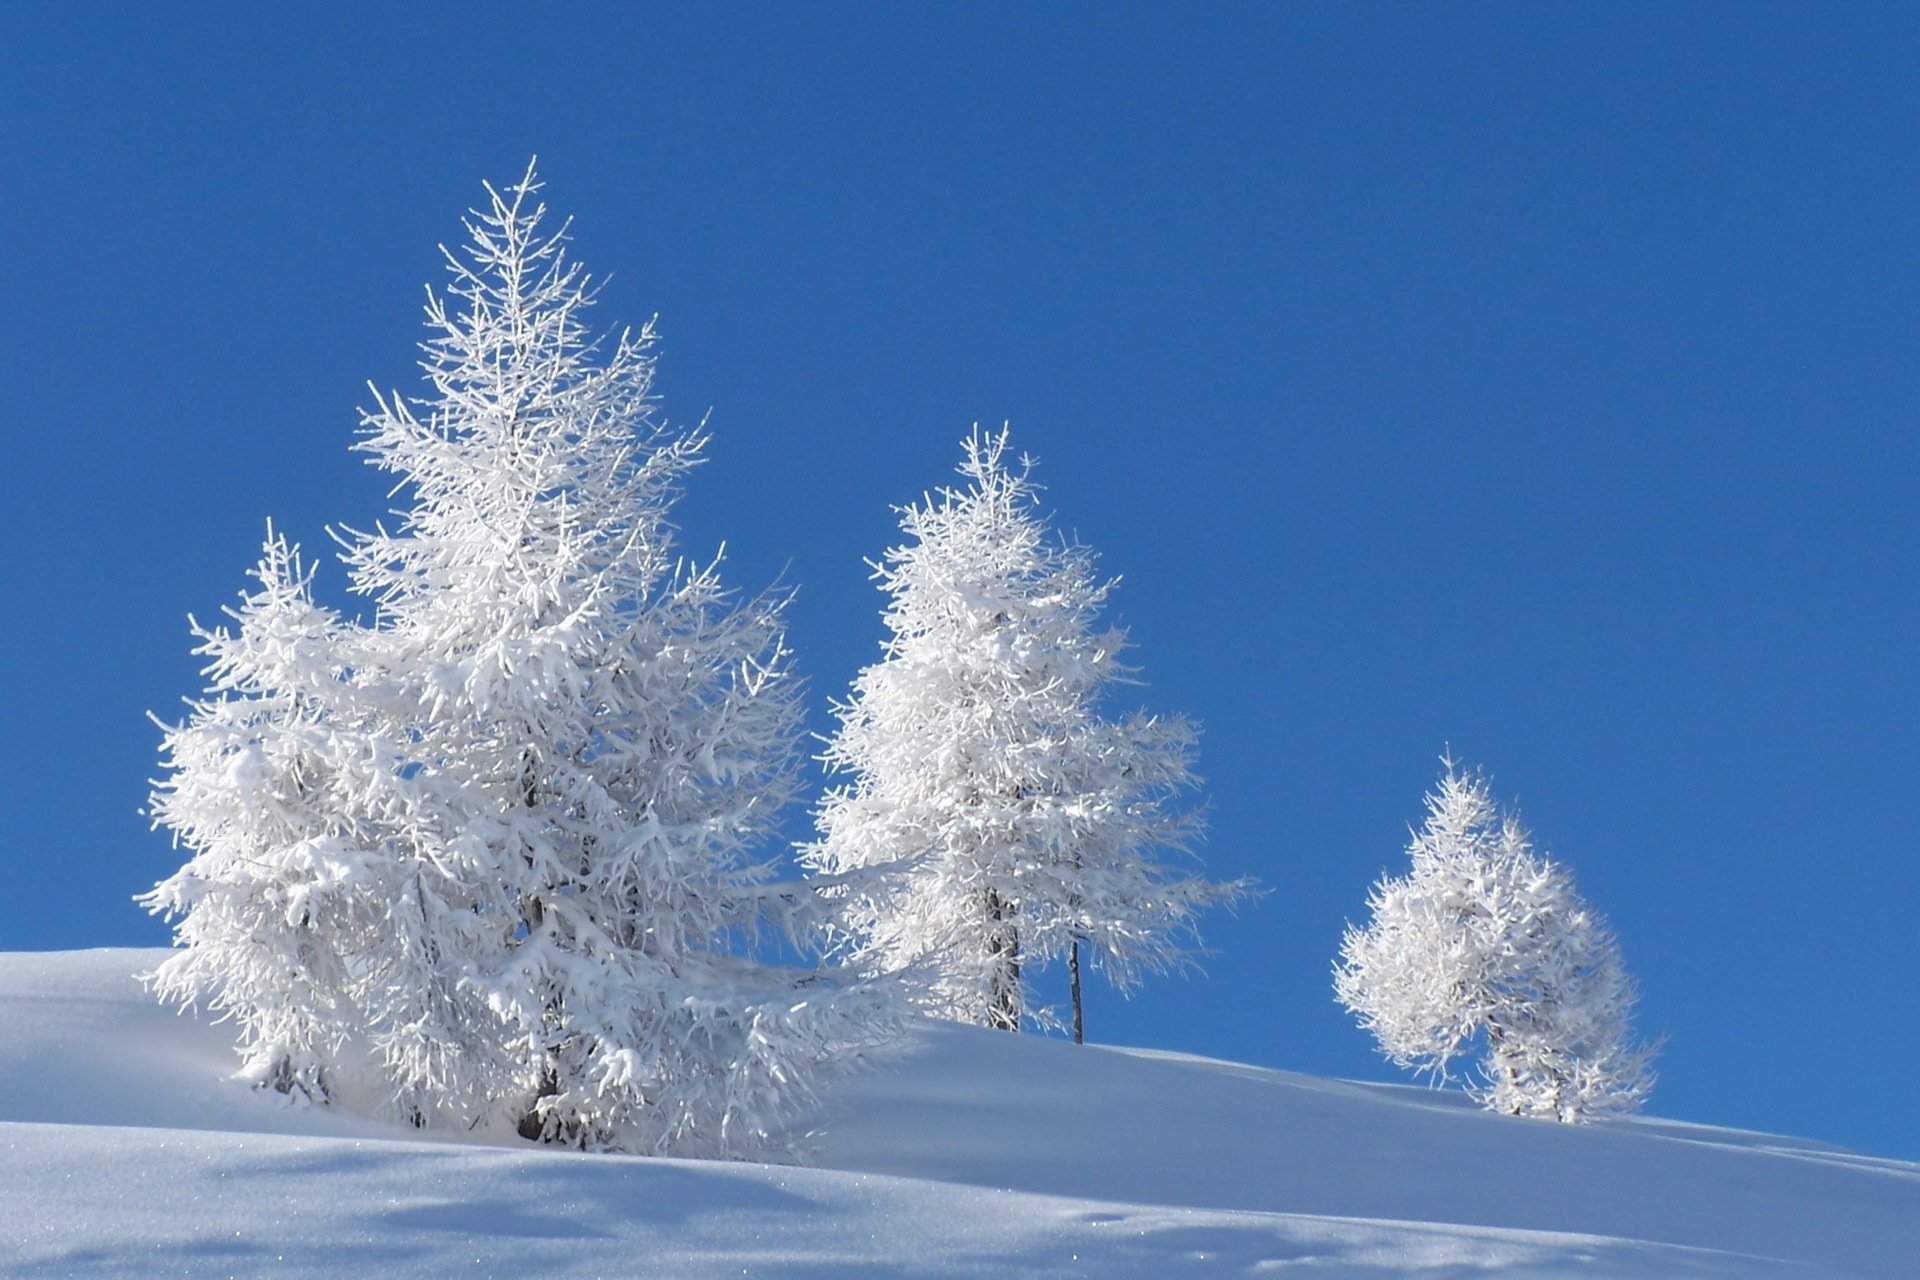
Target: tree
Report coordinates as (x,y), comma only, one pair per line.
(994,820)
(258,785)
(1486,941)
(574,742)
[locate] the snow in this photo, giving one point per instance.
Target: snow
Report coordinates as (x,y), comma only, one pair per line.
(1485,937)
(991,817)
(508,832)
(127,1152)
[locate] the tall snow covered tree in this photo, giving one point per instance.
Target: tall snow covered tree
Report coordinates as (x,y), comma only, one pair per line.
(995,820)
(575,742)
(1484,941)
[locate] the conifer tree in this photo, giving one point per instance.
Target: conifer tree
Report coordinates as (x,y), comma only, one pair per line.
(1486,942)
(255,787)
(574,742)
(995,820)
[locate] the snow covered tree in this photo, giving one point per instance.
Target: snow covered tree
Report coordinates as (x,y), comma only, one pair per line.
(574,742)
(994,820)
(1485,941)
(256,788)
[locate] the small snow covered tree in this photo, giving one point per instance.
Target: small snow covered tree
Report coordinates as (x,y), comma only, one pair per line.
(1486,941)
(574,742)
(258,785)
(995,820)
(303,912)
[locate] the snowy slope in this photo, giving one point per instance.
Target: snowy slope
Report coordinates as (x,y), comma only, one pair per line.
(978,1154)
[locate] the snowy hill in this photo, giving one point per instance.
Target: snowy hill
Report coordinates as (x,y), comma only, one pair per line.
(978,1154)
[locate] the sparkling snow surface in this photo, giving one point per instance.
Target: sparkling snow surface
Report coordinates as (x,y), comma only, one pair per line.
(977,1154)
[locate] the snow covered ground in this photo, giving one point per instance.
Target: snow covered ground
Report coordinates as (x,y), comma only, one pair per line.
(977,1154)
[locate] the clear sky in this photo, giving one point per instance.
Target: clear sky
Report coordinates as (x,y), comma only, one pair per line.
(1539,380)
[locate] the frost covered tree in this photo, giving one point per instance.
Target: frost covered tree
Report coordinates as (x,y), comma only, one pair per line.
(261,784)
(995,820)
(558,746)
(1486,942)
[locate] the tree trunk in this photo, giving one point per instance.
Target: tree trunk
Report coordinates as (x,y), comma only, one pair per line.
(1496,1037)
(1003,976)
(533,1126)
(1073,978)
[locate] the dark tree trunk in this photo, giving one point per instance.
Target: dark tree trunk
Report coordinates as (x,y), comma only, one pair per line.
(1003,951)
(1073,978)
(533,1126)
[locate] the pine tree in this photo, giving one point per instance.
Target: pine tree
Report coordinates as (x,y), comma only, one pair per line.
(994,820)
(1485,941)
(257,786)
(581,741)
(313,908)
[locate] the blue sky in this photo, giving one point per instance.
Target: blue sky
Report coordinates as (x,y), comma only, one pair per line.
(1537,381)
